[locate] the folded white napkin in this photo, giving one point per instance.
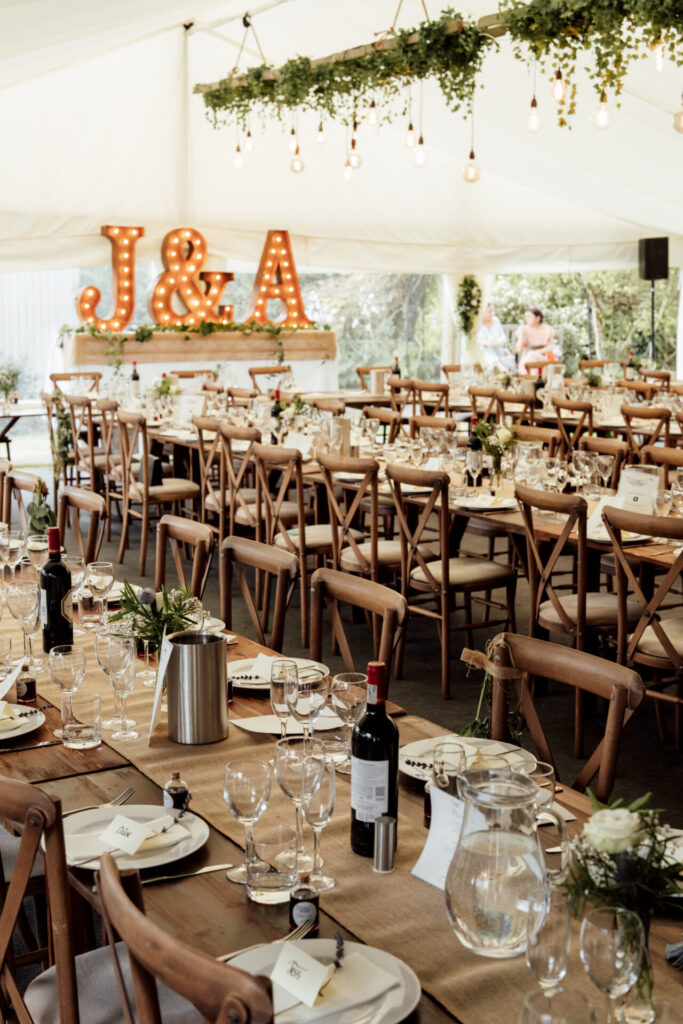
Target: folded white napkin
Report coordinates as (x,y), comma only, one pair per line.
(8,716)
(356,982)
(262,666)
(78,847)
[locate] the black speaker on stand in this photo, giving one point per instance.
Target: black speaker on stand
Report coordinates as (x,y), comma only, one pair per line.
(653,265)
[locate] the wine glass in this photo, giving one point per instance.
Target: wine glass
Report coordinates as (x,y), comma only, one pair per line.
(111,649)
(605,468)
(544,777)
(612,944)
(662,502)
(317,807)
(284,680)
(66,665)
(548,941)
(306,701)
(349,697)
(27,602)
(449,761)
(474,464)
(563,1006)
(37,549)
(76,566)
(99,577)
(122,678)
(298,767)
(246,791)
(12,546)
(677,495)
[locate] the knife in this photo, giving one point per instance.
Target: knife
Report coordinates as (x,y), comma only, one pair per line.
(30,746)
(188,874)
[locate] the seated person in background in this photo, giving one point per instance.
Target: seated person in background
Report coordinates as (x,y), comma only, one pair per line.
(534,340)
(492,341)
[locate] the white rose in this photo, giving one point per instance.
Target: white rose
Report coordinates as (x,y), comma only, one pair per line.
(613,831)
(504,435)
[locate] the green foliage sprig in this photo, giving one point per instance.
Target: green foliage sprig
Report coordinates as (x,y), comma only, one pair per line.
(448,49)
(592,378)
(153,614)
(468,302)
(10,373)
(480,726)
(40,515)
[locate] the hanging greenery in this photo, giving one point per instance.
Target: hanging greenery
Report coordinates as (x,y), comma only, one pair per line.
(448,49)
(468,302)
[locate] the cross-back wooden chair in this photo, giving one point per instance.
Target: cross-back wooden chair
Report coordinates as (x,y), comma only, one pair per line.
(269,564)
(191,374)
(72,502)
(593,364)
(515,407)
(61,442)
(536,367)
(334,406)
(5,468)
(655,640)
(607,446)
(211,991)
(18,488)
(515,660)
(215,497)
(418,423)
(431,399)
(449,368)
(364,373)
(140,496)
(389,418)
(112,471)
(640,387)
(402,396)
(644,426)
(256,372)
(330,588)
(213,387)
(572,429)
(351,551)
(430,585)
(238,464)
(666,458)
(484,405)
(89,459)
(661,378)
(550,438)
(79,377)
(197,536)
(240,396)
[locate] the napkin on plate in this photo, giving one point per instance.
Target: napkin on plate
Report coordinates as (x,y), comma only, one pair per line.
(78,847)
(8,716)
(358,981)
(262,667)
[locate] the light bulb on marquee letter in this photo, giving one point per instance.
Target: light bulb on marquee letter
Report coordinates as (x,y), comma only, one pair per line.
(277,278)
(123,241)
(183,252)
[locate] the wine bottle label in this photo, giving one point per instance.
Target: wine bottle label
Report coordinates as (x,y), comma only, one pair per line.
(68,605)
(369,788)
(371,693)
(304,912)
(43,607)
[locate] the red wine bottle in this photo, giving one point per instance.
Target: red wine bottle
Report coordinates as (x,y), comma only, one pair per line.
(56,608)
(374,764)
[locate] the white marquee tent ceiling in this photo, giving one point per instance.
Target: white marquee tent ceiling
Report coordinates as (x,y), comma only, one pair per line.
(99,125)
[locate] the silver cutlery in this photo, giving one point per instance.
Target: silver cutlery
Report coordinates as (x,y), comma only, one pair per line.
(116,802)
(30,746)
(188,874)
(296,933)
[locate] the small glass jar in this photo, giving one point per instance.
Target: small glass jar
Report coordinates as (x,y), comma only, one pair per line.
(304,907)
(26,686)
(176,794)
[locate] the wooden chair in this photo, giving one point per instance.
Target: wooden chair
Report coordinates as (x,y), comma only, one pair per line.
(191,374)
(212,387)
(432,399)
(418,423)
(197,536)
(365,371)
(514,661)
(215,495)
(61,441)
(640,387)
(667,458)
(77,376)
(210,990)
(515,407)
(593,364)
(655,641)
(661,378)
(140,496)
(389,418)
(238,467)
(484,405)
(536,367)
(430,585)
(89,459)
(552,439)
(18,483)
(351,550)
(572,429)
(112,469)
(73,501)
(240,396)
(607,446)
(332,588)
(402,395)
(238,553)
(449,368)
(5,468)
(279,370)
(334,406)
(652,425)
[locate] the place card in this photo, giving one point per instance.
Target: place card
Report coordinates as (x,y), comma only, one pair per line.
(262,666)
(164,658)
(442,839)
(125,834)
(300,974)
(10,680)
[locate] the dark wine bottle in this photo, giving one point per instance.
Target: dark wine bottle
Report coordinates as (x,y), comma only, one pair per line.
(374,764)
(56,609)
(135,375)
(396,369)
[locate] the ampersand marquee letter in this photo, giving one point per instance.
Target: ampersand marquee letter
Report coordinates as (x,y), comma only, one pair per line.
(183,252)
(123,241)
(277,279)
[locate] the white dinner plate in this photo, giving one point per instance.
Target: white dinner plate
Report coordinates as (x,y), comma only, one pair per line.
(391,1008)
(116,592)
(213,626)
(30,723)
(486,503)
(421,751)
(96,820)
(243,667)
(269,725)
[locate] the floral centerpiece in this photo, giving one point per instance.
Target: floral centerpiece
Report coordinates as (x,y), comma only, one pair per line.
(165,387)
(495,440)
(625,857)
(10,372)
(288,410)
(151,614)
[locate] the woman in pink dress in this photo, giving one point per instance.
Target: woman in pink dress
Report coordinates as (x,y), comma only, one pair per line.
(534,340)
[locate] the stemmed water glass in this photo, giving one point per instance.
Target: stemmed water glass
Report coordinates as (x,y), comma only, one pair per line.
(317,807)
(37,549)
(298,767)
(662,503)
(612,945)
(474,463)
(605,464)
(76,566)
(66,664)
(122,678)
(548,941)
(113,650)
(12,547)
(284,682)
(544,776)
(677,495)
(306,701)
(99,577)
(27,603)
(349,697)
(246,791)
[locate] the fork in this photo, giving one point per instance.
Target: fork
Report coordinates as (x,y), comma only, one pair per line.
(116,802)
(296,933)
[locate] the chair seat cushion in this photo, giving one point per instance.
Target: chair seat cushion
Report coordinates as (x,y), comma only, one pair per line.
(289,513)
(388,553)
(317,536)
(466,572)
(174,489)
(601,610)
(385,505)
(9,848)
(485,528)
(649,642)
(98,994)
(212,501)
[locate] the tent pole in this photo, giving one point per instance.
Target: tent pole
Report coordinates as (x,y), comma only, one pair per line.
(679,329)
(653,345)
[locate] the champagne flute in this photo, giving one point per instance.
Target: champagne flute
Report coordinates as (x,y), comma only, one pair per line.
(105,643)
(349,697)
(66,665)
(99,577)
(474,464)
(284,680)
(12,546)
(246,791)
(27,600)
(122,678)
(298,766)
(612,945)
(76,566)
(548,941)
(563,1006)
(37,549)
(318,807)
(605,468)
(306,701)
(662,502)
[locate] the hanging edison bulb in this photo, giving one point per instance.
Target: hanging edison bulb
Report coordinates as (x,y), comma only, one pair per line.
(248,142)
(558,90)
(373,115)
(355,159)
(420,153)
(601,113)
(410,136)
(354,132)
(348,170)
(292,140)
(534,119)
(659,52)
(470,171)
(321,134)
(239,160)
(296,164)
(678,118)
